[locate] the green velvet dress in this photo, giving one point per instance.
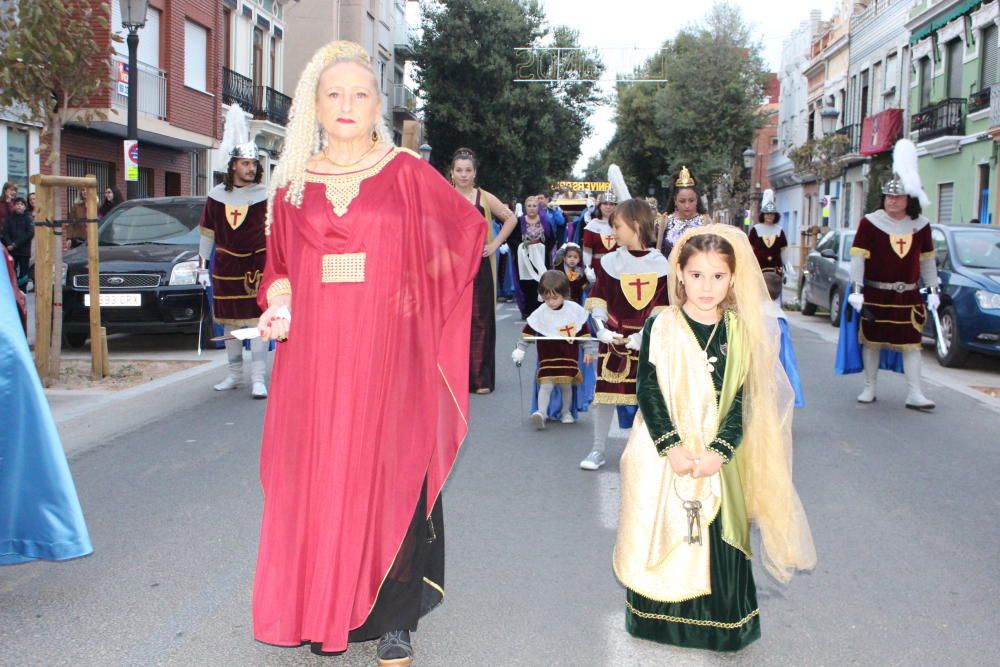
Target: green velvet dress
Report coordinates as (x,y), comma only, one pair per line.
(726,620)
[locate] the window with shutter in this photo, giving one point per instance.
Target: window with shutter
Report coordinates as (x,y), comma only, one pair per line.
(988,56)
(926,80)
(946,196)
(955,48)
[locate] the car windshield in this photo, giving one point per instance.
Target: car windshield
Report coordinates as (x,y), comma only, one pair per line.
(152,222)
(978,249)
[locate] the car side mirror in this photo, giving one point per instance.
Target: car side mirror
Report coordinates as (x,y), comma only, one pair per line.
(828,253)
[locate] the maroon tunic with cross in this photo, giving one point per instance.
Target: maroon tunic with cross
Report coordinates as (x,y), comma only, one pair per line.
(617,366)
(893,318)
(238,232)
(559,362)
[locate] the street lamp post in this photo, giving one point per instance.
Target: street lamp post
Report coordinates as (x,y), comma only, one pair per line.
(749,158)
(425,151)
(828,123)
(133,18)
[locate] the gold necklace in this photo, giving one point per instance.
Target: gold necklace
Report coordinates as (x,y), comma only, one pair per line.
(351,164)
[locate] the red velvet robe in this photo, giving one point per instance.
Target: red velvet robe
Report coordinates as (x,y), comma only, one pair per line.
(368,394)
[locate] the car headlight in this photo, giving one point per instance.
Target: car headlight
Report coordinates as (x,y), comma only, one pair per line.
(184,273)
(987,300)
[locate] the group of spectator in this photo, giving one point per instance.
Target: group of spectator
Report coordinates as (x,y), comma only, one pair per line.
(17,225)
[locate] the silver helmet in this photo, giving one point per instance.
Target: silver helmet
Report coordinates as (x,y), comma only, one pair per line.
(245,151)
(894,187)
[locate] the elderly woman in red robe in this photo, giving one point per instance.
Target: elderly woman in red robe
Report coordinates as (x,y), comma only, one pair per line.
(373,255)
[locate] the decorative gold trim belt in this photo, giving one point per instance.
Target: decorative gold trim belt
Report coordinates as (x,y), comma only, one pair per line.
(344,268)
(899,287)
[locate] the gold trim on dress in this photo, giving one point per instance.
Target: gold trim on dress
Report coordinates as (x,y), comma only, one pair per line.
(344,268)
(206,232)
(606,398)
(694,621)
(279,287)
(861,252)
(434,586)
(240,254)
(341,189)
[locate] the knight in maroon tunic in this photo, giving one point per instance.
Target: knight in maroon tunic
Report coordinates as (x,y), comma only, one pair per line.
(767,238)
(631,286)
(892,253)
(232,225)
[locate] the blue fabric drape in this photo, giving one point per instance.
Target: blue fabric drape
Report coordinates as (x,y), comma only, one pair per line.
(40,515)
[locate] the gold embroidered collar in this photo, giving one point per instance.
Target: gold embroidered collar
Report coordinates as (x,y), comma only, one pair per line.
(341,189)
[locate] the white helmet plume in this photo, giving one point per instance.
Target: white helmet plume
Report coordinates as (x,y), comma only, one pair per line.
(235,139)
(904,165)
(617,181)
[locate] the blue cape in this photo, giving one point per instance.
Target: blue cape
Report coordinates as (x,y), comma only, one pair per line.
(789,363)
(849,359)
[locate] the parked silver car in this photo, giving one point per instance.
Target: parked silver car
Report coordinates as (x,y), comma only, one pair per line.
(827,274)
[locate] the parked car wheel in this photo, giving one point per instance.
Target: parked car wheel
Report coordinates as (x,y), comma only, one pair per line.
(836,299)
(76,339)
(957,353)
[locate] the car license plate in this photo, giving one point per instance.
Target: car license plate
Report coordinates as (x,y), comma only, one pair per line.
(116,300)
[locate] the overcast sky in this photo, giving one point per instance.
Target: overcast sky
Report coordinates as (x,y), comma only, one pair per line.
(647,23)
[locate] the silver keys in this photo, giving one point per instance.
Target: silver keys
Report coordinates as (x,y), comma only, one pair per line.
(693,509)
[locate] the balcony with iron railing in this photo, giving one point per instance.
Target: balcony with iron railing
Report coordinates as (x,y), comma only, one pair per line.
(938,120)
(151,84)
(237,89)
(853,134)
(272,105)
(995,105)
(979,100)
(404,100)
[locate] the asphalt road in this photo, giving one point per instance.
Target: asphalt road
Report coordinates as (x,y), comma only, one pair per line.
(902,506)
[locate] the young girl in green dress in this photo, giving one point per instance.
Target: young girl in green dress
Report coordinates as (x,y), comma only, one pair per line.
(710,454)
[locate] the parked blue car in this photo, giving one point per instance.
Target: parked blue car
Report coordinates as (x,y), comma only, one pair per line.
(968,259)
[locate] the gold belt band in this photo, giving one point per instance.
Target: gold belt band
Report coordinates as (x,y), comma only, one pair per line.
(344,268)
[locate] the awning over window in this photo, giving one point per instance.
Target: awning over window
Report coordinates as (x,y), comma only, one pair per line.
(958,10)
(880,132)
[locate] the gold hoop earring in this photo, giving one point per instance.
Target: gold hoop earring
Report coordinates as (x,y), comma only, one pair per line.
(374,135)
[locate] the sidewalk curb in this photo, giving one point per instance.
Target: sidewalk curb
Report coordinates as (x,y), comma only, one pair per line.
(931,372)
(87,426)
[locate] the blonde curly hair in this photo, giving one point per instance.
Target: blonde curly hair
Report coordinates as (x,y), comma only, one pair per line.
(305,136)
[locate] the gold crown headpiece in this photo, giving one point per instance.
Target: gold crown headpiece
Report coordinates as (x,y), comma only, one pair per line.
(684,179)
(345,49)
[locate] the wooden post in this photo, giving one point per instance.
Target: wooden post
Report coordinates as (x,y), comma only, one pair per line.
(105,363)
(47,280)
(43,279)
(97,344)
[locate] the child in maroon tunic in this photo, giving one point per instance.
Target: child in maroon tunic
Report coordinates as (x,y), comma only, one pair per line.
(631,286)
(558,361)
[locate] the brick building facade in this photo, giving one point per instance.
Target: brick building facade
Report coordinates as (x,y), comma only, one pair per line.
(180,102)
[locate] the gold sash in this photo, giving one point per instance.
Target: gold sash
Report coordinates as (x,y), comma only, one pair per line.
(651,555)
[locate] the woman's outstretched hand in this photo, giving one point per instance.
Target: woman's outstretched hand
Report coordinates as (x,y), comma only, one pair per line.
(275,322)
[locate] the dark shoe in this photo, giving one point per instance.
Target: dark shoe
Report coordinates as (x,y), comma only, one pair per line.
(395,649)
